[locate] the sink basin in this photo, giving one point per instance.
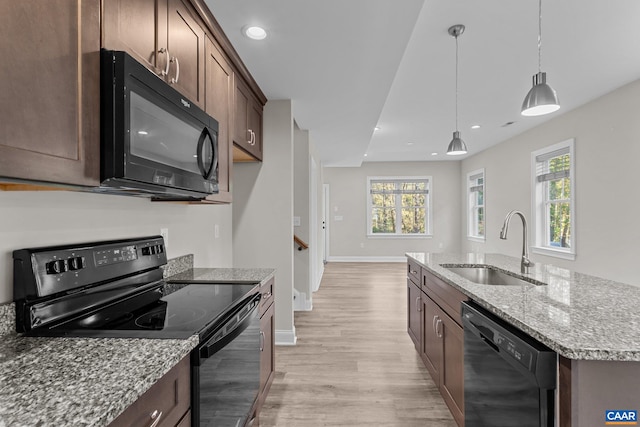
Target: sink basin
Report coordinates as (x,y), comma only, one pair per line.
(487,275)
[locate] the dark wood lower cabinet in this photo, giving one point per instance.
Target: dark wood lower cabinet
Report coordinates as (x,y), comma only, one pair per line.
(168,401)
(439,337)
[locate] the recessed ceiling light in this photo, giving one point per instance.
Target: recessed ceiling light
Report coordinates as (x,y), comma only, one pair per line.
(366,155)
(475,127)
(409,143)
(434,154)
(254,32)
(143,132)
(376,128)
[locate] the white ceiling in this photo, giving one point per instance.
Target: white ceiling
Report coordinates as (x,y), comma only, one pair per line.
(351,65)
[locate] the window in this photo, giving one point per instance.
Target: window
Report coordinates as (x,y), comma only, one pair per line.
(475,205)
(553,200)
(398,206)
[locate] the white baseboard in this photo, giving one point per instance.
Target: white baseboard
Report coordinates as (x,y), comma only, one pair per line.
(367,259)
(286,337)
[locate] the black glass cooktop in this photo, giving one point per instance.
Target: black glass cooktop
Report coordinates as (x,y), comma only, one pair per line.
(184,310)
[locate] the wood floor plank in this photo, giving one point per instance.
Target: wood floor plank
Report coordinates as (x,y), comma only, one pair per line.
(354,363)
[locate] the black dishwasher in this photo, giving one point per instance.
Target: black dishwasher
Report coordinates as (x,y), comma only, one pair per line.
(509,378)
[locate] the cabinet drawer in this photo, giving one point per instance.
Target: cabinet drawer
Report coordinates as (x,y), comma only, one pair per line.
(266,289)
(414,271)
(169,399)
(447,297)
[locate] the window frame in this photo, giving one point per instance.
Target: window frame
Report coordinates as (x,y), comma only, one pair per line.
(428,208)
(471,217)
(539,201)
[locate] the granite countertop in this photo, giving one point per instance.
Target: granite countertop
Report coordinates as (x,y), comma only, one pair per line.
(79,381)
(209,275)
(90,381)
(581,317)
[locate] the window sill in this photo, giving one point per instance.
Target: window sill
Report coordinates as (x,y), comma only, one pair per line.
(399,236)
(554,253)
(476,239)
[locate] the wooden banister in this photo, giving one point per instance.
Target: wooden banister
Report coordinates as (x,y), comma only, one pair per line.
(301,244)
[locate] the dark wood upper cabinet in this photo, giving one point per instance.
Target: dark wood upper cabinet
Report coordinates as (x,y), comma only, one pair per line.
(248,125)
(219,104)
(164,35)
(49,102)
(185,43)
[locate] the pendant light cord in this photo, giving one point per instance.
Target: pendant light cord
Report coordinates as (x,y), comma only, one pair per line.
(539,35)
(456,83)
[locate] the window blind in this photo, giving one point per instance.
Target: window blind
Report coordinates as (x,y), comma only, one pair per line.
(561,168)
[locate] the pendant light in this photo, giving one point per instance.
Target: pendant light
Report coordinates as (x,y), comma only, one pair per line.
(541,99)
(457,145)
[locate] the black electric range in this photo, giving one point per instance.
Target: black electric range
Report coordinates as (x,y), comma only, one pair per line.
(114,289)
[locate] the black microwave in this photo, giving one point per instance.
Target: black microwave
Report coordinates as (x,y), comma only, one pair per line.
(154,141)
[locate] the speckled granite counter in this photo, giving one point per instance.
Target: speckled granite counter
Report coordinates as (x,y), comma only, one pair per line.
(79,381)
(204,275)
(581,317)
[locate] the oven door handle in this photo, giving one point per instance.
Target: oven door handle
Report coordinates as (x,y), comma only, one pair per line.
(213,346)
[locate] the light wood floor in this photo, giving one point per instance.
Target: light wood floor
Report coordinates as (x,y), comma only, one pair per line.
(354,363)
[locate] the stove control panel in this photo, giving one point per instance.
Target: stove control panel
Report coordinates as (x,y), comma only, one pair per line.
(41,272)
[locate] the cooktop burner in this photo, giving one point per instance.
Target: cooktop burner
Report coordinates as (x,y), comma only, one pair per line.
(189,310)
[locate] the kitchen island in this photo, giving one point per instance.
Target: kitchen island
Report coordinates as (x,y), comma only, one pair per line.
(592,323)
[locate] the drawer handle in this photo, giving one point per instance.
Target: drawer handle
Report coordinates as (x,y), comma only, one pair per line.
(155,415)
(433,325)
(414,272)
(261,341)
(266,295)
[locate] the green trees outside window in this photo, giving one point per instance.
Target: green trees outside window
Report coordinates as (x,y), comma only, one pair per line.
(399,206)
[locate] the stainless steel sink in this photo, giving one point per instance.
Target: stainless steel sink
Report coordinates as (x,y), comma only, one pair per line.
(487,275)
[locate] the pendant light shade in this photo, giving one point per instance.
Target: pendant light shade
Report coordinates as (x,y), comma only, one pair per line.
(541,99)
(457,145)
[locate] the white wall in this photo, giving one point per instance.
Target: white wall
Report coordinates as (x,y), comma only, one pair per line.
(263,212)
(348,193)
(44,218)
(607,155)
(301,209)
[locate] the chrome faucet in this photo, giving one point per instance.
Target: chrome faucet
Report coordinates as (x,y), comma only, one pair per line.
(526,262)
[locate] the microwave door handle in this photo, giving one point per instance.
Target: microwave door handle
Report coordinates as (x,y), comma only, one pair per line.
(206,173)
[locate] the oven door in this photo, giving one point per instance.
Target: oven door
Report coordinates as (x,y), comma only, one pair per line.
(225,370)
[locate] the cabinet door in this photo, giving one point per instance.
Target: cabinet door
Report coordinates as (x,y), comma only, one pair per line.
(169,399)
(49,102)
(414,311)
(139,28)
(452,372)
(267,359)
(241,135)
(431,350)
(218,104)
(248,124)
(255,126)
(185,42)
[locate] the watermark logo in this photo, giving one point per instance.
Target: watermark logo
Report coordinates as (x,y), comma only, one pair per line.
(620,417)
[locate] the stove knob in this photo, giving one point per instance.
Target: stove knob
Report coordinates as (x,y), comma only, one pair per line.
(57,267)
(53,267)
(76,263)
